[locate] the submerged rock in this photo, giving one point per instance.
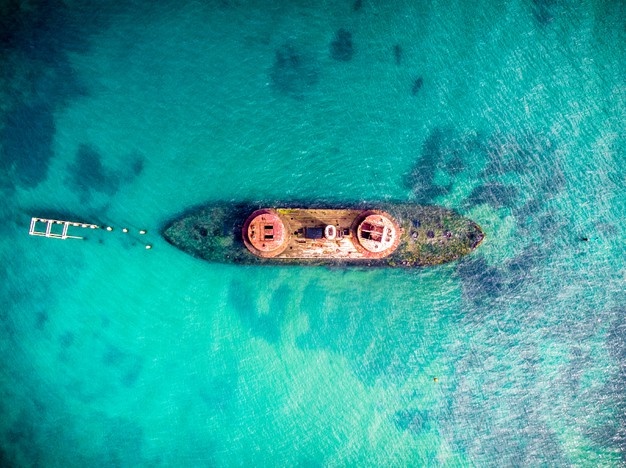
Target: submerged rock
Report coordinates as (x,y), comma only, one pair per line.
(342,48)
(417,85)
(397,54)
(412,420)
(293,72)
(543,11)
(495,194)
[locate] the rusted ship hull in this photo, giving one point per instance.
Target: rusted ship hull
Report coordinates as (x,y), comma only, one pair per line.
(242,233)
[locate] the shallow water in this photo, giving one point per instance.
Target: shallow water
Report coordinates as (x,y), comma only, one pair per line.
(128,115)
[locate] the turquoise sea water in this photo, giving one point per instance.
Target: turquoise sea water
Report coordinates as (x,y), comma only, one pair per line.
(512,113)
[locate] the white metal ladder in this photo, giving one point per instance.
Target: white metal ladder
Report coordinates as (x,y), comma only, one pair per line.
(49,223)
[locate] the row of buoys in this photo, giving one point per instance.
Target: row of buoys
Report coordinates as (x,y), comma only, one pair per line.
(126,231)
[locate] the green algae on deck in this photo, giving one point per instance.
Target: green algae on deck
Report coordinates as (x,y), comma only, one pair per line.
(430,235)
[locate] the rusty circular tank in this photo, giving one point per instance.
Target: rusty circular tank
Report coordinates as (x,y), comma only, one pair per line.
(265,233)
(377,233)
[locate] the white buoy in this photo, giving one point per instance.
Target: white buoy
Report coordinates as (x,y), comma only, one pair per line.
(143,231)
(109,228)
(148,246)
(124,230)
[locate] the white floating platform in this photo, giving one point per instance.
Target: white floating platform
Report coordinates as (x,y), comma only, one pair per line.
(62,227)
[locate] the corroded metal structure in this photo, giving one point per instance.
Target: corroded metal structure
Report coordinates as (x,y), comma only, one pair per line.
(292,233)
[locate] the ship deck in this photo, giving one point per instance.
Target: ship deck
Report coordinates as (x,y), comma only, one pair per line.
(301,222)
